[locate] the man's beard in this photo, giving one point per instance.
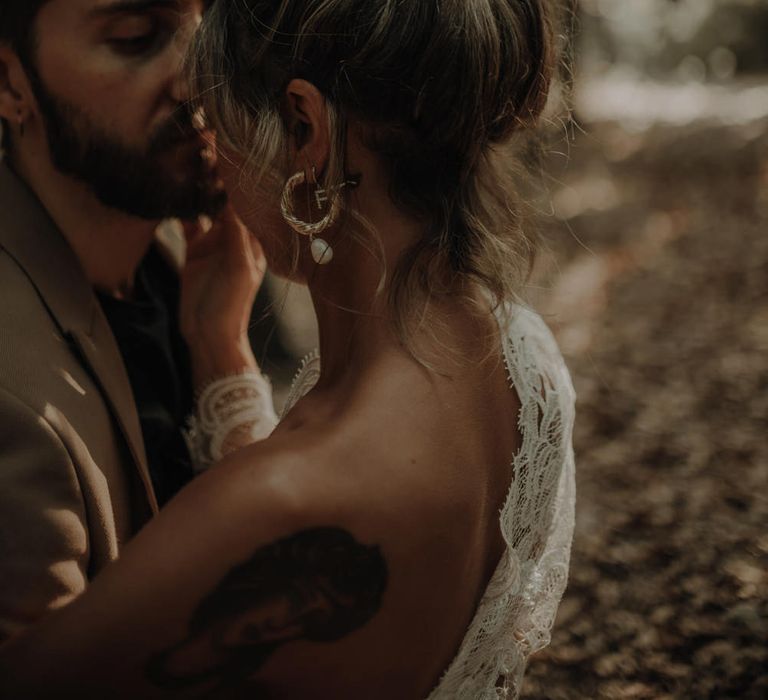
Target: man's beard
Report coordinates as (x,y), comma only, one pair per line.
(134,180)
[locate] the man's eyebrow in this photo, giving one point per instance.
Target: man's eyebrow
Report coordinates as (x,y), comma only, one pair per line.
(132,7)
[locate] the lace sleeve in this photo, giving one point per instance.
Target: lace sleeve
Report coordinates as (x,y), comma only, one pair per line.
(550,575)
(554,394)
(231,412)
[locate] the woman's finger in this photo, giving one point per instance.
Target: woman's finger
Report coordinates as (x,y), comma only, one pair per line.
(202,237)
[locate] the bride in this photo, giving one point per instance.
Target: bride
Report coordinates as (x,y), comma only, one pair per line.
(405,530)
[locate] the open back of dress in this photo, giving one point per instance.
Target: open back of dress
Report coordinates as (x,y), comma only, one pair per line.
(515,616)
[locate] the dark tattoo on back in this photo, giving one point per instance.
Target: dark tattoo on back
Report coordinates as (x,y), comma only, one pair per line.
(318,585)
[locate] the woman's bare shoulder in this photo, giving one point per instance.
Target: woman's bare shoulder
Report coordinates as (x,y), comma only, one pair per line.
(303,475)
(359,478)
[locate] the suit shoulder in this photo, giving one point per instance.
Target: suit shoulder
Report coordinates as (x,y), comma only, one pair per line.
(22,309)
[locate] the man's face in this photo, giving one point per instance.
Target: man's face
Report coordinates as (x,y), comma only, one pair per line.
(107,78)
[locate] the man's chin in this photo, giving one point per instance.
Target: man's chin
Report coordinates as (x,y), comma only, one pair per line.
(178,182)
(193,152)
(163,199)
(180,186)
(180,165)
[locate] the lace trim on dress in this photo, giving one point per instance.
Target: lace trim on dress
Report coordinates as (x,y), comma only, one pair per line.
(304,381)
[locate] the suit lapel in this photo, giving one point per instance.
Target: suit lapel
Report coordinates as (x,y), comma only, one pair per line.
(101,355)
(32,239)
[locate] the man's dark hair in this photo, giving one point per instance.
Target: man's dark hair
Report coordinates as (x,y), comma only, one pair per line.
(17,18)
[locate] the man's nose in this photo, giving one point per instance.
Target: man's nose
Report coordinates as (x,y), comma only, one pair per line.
(179,78)
(179,85)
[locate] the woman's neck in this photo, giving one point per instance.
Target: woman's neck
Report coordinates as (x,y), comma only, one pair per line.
(350,294)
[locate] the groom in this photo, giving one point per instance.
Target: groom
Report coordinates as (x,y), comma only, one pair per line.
(99,148)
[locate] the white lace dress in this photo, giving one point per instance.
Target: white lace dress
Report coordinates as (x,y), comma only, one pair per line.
(516,614)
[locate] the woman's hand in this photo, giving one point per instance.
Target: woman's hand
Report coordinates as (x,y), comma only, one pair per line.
(224,271)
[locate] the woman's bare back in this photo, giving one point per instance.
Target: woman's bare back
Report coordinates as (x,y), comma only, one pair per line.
(422,463)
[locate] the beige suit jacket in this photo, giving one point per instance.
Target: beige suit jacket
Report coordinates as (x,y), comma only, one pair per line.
(74,483)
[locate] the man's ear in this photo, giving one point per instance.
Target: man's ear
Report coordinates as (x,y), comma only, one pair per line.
(308,122)
(15,93)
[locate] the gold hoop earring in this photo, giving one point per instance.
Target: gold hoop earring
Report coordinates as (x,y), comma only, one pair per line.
(322,253)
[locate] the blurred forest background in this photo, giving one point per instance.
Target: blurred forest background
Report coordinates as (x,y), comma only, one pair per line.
(655,279)
(657,284)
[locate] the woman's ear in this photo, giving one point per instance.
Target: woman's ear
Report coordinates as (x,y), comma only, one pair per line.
(308,122)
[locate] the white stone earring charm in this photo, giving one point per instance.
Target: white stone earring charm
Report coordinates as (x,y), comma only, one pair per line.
(322,253)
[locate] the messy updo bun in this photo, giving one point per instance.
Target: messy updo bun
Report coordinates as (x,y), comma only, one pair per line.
(439,87)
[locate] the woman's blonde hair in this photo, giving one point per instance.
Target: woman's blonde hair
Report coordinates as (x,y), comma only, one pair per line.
(440,87)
